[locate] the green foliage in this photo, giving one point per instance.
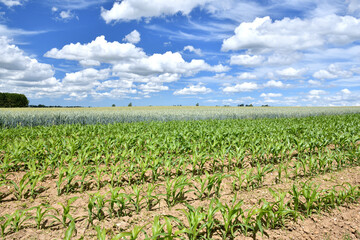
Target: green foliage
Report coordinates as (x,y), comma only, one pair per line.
(11,100)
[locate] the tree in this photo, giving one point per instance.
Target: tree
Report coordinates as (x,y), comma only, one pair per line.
(13,100)
(113,105)
(130,104)
(197,104)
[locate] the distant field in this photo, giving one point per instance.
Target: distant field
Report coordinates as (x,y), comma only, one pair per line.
(55,116)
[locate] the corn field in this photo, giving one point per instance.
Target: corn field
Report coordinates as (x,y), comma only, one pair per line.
(194,179)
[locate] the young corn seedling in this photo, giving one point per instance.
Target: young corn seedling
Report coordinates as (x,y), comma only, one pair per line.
(201,190)
(18,218)
(70,231)
(61,180)
(195,221)
(118,199)
(250,179)
(136,198)
(163,231)
(151,198)
(261,173)
(239,180)
(211,222)
(133,235)
(41,214)
(97,203)
(175,190)
(71,173)
(84,184)
(4,223)
(100,233)
(63,220)
(311,195)
(230,215)
(21,188)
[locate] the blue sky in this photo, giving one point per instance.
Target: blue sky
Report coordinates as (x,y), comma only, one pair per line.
(170,52)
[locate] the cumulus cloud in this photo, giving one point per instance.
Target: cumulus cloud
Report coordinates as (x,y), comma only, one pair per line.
(193,90)
(133,37)
(290,73)
(270,95)
(332,72)
(265,34)
(275,84)
(152,87)
(242,87)
(97,51)
(130,64)
(247,60)
(247,75)
(127,10)
(66,15)
(190,48)
(21,73)
(12,3)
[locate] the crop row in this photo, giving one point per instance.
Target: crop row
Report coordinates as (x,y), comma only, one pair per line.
(223,219)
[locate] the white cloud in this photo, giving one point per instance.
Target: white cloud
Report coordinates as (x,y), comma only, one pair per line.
(293,34)
(127,10)
(12,3)
(168,62)
(242,87)
(270,95)
(345,91)
(333,71)
(86,77)
(324,74)
(354,6)
(247,75)
(290,73)
(66,15)
(133,37)
(275,84)
(193,90)
(241,100)
(314,83)
(98,50)
(317,92)
(152,87)
(247,60)
(190,48)
(21,73)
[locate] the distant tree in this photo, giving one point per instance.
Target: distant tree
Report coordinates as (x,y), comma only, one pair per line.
(130,104)
(240,105)
(197,104)
(13,100)
(113,105)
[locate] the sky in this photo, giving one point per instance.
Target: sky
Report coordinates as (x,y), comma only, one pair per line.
(170,52)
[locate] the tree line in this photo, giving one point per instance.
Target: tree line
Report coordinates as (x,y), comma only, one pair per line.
(8,100)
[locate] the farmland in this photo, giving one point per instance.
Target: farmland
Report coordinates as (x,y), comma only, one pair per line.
(241,175)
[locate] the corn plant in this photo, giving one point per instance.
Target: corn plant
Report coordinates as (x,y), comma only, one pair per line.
(151,198)
(230,216)
(120,200)
(100,233)
(195,221)
(175,190)
(41,214)
(20,188)
(66,218)
(136,198)
(70,230)
(18,218)
(132,235)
